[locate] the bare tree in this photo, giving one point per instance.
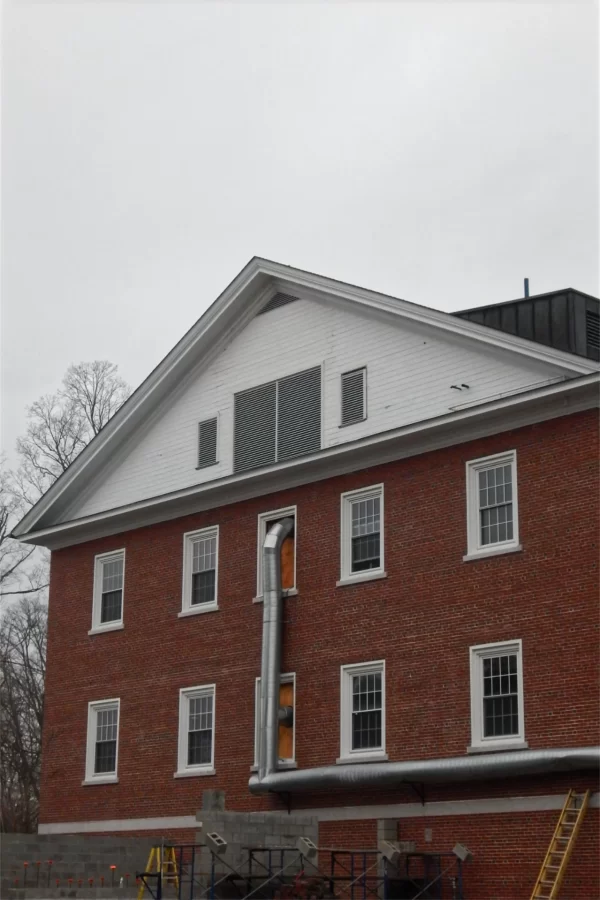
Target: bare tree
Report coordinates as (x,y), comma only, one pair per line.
(22,668)
(60,425)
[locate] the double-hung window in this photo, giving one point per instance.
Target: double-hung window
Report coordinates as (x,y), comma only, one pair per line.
(109,582)
(196,731)
(362,535)
(102,741)
(362,718)
(492,507)
(200,571)
(497,707)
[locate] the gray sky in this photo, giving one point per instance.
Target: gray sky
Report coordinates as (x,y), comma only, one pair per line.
(439,152)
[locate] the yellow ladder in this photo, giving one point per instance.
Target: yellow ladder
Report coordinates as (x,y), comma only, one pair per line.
(167,865)
(553,869)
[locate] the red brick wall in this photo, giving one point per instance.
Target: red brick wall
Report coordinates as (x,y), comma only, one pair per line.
(421,619)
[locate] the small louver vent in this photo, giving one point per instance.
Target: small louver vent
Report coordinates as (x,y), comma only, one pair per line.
(207,443)
(275,302)
(278,421)
(353,396)
(592,333)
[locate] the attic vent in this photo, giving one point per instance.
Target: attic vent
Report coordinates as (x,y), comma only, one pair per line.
(276,301)
(353,396)
(278,421)
(592,333)
(207,443)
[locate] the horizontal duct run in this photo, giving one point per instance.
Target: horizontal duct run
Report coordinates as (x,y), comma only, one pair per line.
(508,764)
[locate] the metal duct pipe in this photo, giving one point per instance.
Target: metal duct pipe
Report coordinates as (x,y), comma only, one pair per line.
(271,648)
(508,764)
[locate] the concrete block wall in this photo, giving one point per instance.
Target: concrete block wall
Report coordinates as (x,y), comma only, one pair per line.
(73,856)
(243,830)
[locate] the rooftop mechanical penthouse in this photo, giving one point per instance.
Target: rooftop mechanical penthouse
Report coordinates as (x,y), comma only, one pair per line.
(338,556)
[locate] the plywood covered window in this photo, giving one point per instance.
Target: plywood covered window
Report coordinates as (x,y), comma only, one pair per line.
(287,735)
(288,549)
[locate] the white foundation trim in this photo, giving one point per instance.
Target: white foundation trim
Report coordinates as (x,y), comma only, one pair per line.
(155,824)
(540,803)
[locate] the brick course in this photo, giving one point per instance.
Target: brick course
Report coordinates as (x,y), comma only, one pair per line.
(422,619)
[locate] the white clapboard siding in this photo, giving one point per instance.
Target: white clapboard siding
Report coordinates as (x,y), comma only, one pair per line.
(410,370)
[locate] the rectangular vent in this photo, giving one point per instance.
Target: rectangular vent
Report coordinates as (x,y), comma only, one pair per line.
(592,333)
(276,301)
(353,396)
(207,443)
(277,421)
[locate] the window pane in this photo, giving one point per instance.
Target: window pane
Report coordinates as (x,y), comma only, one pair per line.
(203,587)
(110,606)
(200,717)
(495,505)
(112,575)
(366,525)
(105,759)
(500,696)
(366,711)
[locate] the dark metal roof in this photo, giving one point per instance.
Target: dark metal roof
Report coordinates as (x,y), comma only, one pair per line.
(567,319)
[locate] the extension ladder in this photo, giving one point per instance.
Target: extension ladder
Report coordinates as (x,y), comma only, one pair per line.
(553,869)
(165,866)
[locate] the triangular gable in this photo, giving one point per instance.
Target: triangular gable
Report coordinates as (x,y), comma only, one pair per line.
(260,286)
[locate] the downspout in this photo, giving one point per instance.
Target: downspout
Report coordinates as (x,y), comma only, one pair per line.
(270,669)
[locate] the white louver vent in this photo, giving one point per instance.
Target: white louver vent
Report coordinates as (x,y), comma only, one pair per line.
(353,396)
(207,443)
(278,421)
(276,301)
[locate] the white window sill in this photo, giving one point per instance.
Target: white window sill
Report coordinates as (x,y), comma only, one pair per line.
(362,758)
(194,773)
(360,577)
(290,592)
(282,765)
(110,626)
(495,551)
(198,610)
(498,747)
(105,779)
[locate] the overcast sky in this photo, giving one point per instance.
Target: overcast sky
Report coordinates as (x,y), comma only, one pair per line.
(438,152)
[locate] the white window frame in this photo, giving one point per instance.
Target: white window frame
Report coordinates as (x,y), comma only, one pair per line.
(263,519)
(185,695)
(477,654)
(187,609)
(347,576)
(288,678)
(94,707)
(347,754)
(97,626)
(343,375)
(475,549)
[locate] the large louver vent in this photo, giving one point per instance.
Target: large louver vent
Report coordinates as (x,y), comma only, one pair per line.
(353,396)
(278,421)
(592,333)
(276,301)
(207,443)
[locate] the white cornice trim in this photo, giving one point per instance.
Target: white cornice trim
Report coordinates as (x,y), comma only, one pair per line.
(227,317)
(462,425)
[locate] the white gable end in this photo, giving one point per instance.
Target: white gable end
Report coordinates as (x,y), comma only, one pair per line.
(410,372)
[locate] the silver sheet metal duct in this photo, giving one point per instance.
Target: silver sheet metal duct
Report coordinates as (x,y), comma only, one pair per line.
(514,763)
(482,766)
(271,648)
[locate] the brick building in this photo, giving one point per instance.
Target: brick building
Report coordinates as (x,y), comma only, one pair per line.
(337,555)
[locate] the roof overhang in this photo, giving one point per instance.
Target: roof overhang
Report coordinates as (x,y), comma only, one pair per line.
(462,424)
